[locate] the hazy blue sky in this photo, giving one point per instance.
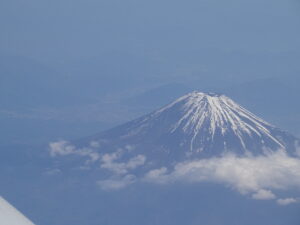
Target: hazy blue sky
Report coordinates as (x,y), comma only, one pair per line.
(82,60)
(59,31)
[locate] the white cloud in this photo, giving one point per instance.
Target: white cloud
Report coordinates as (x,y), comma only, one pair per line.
(109,162)
(129,148)
(116,183)
(94,144)
(121,179)
(136,161)
(287,201)
(263,195)
(63,148)
(248,175)
(157,175)
(116,162)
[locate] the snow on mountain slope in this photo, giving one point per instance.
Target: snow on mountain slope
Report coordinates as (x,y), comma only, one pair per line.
(11,216)
(197,125)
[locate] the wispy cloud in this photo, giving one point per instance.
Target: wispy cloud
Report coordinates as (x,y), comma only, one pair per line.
(119,166)
(64,148)
(116,183)
(287,201)
(108,161)
(121,177)
(263,195)
(53,171)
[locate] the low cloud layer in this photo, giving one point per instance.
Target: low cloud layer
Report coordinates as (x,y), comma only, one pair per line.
(257,176)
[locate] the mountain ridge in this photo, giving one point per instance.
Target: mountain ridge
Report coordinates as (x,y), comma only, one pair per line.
(199,125)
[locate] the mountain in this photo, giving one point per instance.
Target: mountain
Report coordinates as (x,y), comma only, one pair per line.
(195,125)
(115,175)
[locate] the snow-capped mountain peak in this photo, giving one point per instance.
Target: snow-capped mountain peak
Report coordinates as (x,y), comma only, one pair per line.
(197,124)
(213,111)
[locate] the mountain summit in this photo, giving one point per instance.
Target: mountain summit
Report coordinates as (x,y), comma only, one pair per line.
(197,125)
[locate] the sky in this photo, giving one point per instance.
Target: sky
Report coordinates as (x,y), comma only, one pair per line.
(58,32)
(101,63)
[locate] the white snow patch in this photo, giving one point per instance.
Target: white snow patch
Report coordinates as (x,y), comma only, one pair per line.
(200,110)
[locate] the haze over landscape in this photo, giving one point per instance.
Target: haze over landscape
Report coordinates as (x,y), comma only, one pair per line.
(150,112)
